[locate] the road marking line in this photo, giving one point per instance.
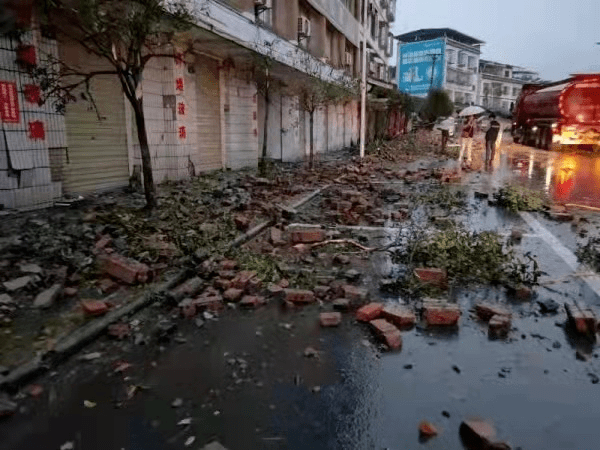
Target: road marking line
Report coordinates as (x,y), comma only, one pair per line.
(592,280)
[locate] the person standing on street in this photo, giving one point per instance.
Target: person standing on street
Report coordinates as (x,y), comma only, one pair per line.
(491,136)
(467,134)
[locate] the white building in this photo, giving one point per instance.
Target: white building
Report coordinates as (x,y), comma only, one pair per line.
(453,55)
(500,85)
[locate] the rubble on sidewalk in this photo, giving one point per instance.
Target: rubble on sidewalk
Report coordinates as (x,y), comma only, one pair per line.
(330,319)
(369,312)
(479,434)
(433,276)
(399,315)
(582,319)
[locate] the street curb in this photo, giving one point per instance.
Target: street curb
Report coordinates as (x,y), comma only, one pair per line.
(40,364)
(83,335)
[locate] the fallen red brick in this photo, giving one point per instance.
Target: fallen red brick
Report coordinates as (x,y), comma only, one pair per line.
(252,301)
(330,319)
(436,312)
(581,318)
(399,315)
(35,390)
(387,332)
(242,279)
(321,291)
(485,311)
(189,288)
(94,307)
(427,429)
(354,293)
(433,276)
(222,283)
(242,222)
(227,264)
(299,296)
(233,294)
(124,269)
(499,326)
(369,312)
(119,330)
(107,286)
(227,274)
(212,303)
(308,236)
(102,243)
(187,308)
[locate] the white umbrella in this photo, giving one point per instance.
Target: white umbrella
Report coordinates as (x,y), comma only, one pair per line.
(471,111)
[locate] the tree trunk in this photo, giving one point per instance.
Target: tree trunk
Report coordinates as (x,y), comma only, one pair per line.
(149,188)
(262,164)
(311,155)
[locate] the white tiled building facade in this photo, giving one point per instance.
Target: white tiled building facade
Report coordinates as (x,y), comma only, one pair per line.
(204,110)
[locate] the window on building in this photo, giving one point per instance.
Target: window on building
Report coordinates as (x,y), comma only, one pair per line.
(504,90)
(507,73)
(451,56)
(515,91)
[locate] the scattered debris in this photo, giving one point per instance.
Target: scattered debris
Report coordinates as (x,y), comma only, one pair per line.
(479,434)
(45,299)
(7,407)
(387,332)
(330,319)
(177,403)
(369,312)
(427,429)
(440,312)
(89,404)
(581,318)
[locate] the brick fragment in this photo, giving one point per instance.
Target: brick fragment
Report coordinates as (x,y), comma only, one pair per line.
(499,326)
(583,319)
(440,313)
(233,294)
(387,332)
(94,307)
(485,311)
(252,301)
(299,296)
(227,264)
(369,312)
(330,319)
(276,237)
(308,236)
(242,279)
(124,269)
(222,283)
(354,293)
(427,429)
(433,276)
(119,330)
(321,291)
(211,302)
(341,304)
(400,316)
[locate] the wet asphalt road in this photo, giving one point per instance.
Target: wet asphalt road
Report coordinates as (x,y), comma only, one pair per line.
(353,396)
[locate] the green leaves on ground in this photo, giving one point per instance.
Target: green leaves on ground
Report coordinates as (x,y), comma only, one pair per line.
(469,256)
(519,198)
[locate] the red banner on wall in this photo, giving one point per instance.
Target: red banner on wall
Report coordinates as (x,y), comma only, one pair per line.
(9,102)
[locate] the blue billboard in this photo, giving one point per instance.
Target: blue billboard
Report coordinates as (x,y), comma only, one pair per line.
(421,66)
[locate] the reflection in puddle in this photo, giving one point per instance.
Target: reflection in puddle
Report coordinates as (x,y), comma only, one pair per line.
(568,178)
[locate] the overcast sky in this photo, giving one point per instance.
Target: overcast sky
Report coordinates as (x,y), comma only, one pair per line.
(554,37)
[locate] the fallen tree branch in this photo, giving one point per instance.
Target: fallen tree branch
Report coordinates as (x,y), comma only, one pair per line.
(342,241)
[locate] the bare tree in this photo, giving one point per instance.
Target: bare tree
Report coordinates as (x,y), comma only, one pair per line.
(124,33)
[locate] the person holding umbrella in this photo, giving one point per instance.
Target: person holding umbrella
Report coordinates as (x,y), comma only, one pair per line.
(468,131)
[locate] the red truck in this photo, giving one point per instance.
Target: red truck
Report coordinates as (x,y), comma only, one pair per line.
(563,113)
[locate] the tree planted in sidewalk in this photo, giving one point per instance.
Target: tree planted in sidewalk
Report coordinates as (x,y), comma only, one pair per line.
(437,104)
(124,34)
(315,93)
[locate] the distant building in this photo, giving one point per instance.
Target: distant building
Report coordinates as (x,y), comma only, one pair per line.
(527,75)
(498,88)
(440,58)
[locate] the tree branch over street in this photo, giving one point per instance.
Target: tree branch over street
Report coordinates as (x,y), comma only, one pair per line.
(125,34)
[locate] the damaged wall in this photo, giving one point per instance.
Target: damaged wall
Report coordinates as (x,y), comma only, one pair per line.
(33,141)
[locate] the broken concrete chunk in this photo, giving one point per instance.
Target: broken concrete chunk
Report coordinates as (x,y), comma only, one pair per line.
(46,298)
(399,315)
(440,312)
(341,259)
(5,299)
(233,294)
(548,306)
(387,332)
(330,319)
(276,236)
(31,268)
(17,283)
(369,312)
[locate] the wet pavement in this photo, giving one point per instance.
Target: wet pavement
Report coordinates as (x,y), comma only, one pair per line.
(243,378)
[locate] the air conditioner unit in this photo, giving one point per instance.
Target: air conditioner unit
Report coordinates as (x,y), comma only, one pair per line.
(303,26)
(263,3)
(347,59)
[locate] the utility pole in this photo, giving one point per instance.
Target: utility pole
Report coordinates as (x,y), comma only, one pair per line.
(433,58)
(363,87)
